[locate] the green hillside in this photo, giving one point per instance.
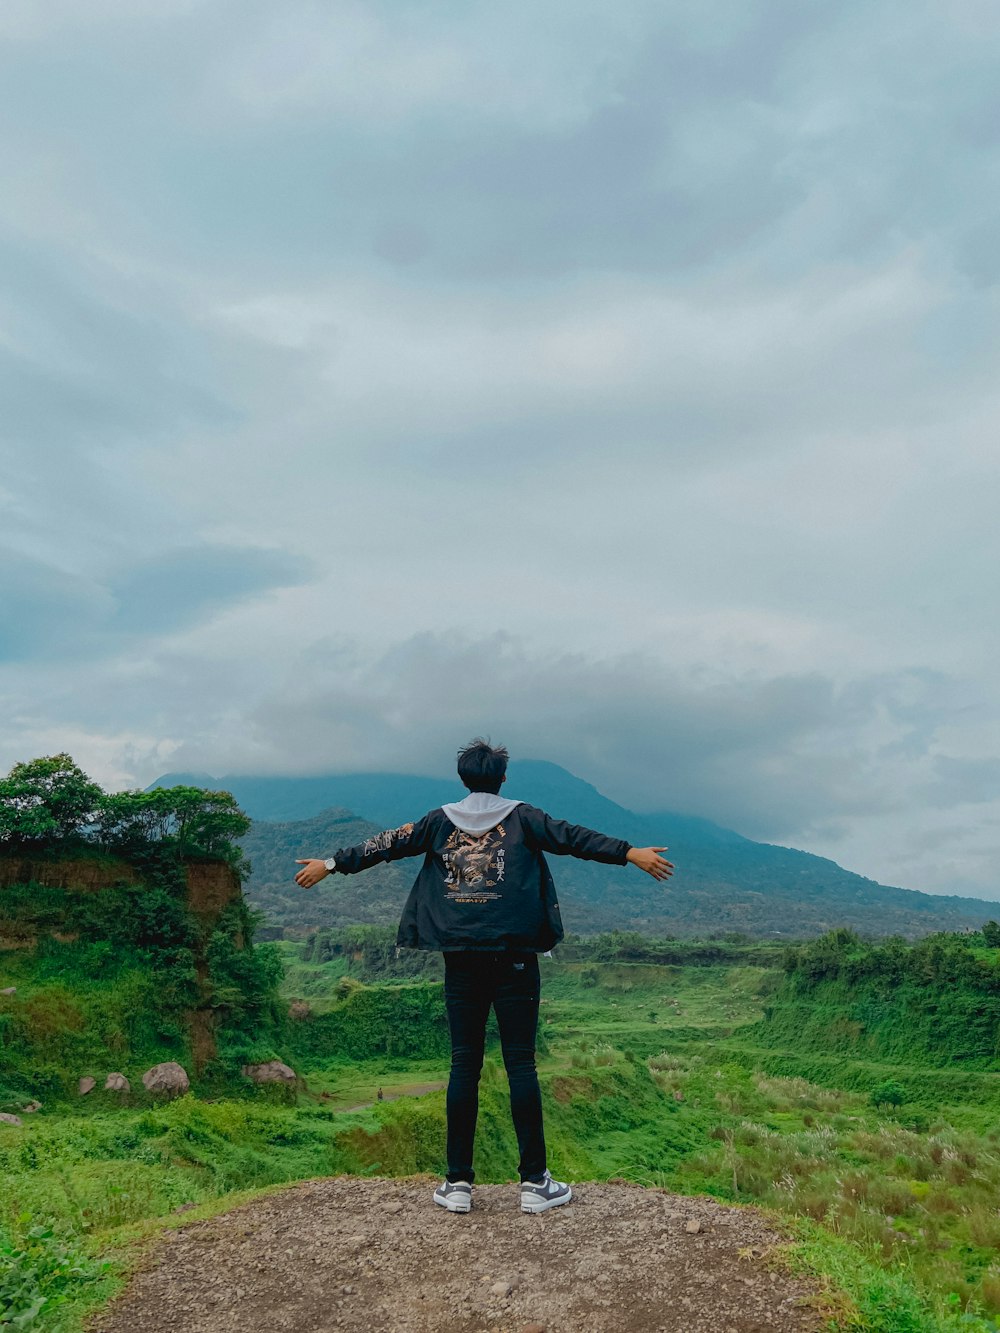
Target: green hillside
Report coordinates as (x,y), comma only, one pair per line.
(654,1068)
(124,976)
(703,896)
(724,882)
(937,1000)
(272,849)
(851,1087)
(884,1154)
(125,940)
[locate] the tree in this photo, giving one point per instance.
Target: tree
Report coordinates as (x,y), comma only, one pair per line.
(991,935)
(194,822)
(888,1093)
(47,800)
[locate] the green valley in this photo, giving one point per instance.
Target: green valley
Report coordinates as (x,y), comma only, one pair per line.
(850,1086)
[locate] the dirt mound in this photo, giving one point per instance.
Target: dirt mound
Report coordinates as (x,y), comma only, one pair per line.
(362,1254)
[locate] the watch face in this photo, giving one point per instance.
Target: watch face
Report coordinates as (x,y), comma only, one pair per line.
(330,863)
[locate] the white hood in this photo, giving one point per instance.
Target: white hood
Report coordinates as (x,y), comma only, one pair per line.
(479,812)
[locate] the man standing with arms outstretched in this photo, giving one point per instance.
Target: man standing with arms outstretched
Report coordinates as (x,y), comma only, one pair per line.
(485,897)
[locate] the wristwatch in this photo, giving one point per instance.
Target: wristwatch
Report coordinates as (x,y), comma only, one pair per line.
(331,864)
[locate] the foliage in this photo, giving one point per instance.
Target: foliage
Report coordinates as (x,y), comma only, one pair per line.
(187,820)
(370,952)
(939,997)
(144,920)
(939,959)
(114,979)
(244,982)
(38,1272)
(50,805)
(895,1202)
(888,1093)
(47,800)
(370,1021)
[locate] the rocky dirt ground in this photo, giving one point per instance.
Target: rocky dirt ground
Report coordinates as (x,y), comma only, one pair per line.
(361,1254)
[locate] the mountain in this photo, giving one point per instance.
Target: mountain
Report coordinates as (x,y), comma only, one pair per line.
(723,882)
(390,799)
(374,898)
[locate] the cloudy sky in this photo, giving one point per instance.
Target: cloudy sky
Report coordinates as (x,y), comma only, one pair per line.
(619,380)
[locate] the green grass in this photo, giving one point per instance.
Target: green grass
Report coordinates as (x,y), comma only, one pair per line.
(655,1072)
(109,981)
(920,1204)
(782,1143)
(889,1204)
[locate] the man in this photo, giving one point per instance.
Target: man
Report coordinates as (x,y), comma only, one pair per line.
(485,897)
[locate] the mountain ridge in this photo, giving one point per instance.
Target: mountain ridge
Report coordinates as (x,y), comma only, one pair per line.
(724,881)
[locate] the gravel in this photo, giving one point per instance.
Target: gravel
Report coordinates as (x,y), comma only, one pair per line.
(361,1254)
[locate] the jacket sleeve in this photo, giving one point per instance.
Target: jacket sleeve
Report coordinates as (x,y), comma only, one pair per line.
(392,845)
(562,839)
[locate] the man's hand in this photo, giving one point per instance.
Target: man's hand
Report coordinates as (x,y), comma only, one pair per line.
(650,860)
(313,873)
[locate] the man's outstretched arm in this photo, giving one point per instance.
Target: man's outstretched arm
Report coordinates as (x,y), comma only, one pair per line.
(562,839)
(392,845)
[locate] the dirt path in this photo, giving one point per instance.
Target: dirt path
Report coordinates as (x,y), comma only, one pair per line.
(413,1090)
(377,1256)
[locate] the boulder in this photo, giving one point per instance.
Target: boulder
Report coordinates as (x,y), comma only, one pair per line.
(86,1084)
(299,1009)
(168,1078)
(9,990)
(31,1108)
(271,1072)
(6,1119)
(117,1083)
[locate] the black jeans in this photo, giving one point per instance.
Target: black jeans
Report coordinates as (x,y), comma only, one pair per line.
(509,982)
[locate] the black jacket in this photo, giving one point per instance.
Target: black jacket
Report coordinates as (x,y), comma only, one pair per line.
(489,891)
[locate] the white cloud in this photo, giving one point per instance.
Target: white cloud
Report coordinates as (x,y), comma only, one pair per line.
(642,357)
(379,63)
(22,20)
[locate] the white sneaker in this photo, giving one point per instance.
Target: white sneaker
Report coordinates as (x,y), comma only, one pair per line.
(456,1196)
(549,1193)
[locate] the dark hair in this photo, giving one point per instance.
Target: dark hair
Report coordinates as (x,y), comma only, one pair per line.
(482,766)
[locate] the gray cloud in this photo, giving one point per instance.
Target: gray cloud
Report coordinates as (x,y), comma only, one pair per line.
(48,613)
(769,755)
(183,587)
(43,609)
(965,781)
(620,379)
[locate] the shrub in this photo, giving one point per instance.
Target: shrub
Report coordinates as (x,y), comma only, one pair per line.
(39,1272)
(888,1093)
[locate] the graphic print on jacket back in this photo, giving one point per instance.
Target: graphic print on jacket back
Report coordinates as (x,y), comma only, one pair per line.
(474,866)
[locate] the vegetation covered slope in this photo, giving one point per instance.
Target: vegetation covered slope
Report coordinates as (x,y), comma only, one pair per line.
(376,897)
(937,1000)
(683,1064)
(653,1068)
(721,884)
(124,938)
(892,1174)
